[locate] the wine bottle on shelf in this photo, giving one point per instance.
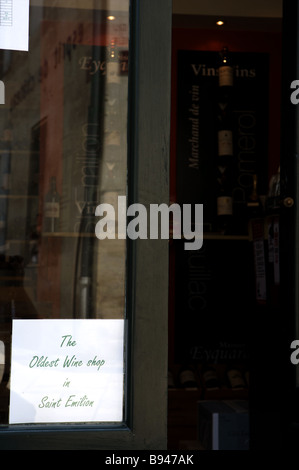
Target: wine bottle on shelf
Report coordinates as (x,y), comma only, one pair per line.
(235,378)
(52,208)
(225,69)
(225,148)
(225,108)
(225,140)
(210,378)
(187,378)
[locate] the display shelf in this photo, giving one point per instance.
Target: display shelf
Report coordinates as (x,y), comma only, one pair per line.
(226,394)
(201,392)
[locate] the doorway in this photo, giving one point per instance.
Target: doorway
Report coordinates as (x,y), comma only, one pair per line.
(224,300)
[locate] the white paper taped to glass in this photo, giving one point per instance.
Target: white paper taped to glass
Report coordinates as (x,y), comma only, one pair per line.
(65,371)
(14,25)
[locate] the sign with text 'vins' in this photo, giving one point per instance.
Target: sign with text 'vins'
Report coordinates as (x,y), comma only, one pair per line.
(198,104)
(66,371)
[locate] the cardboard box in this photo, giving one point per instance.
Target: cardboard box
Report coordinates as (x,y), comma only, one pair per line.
(223,425)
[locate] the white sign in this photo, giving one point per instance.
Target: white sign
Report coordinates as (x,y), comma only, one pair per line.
(14,24)
(67,371)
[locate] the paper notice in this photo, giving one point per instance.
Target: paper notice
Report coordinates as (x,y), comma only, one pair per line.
(14,25)
(66,371)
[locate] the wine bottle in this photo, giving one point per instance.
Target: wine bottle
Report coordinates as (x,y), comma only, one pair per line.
(187,378)
(225,106)
(225,69)
(235,378)
(225,148)
(52,208)
(225,142)
(210,378)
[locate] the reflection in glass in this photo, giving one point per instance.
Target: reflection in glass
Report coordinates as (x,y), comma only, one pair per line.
(62,152)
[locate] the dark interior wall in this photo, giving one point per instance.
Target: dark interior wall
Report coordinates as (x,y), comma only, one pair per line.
(237,41)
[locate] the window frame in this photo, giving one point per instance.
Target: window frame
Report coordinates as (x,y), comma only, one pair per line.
(145,425)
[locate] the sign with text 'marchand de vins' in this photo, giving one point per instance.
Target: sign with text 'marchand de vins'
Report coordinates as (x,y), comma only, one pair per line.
(67,371)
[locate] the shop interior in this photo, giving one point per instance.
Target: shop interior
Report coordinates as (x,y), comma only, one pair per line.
(220,293)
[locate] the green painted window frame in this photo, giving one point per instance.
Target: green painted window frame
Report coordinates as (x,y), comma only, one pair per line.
(145,425)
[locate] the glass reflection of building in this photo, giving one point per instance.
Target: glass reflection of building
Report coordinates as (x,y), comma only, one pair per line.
(65,120)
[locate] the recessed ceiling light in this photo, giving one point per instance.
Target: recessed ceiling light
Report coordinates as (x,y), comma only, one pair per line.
(220,23)
(110,18)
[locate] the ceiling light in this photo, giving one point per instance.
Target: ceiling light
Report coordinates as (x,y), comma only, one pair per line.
(110,18)
(220,23)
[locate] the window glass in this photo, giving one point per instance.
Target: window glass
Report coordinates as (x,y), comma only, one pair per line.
(63,153)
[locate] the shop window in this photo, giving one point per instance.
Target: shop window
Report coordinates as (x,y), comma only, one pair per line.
(63,152)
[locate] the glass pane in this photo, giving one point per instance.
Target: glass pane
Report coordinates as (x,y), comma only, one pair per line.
(63,153)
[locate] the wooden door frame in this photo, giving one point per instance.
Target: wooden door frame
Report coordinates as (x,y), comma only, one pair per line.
(145,425)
